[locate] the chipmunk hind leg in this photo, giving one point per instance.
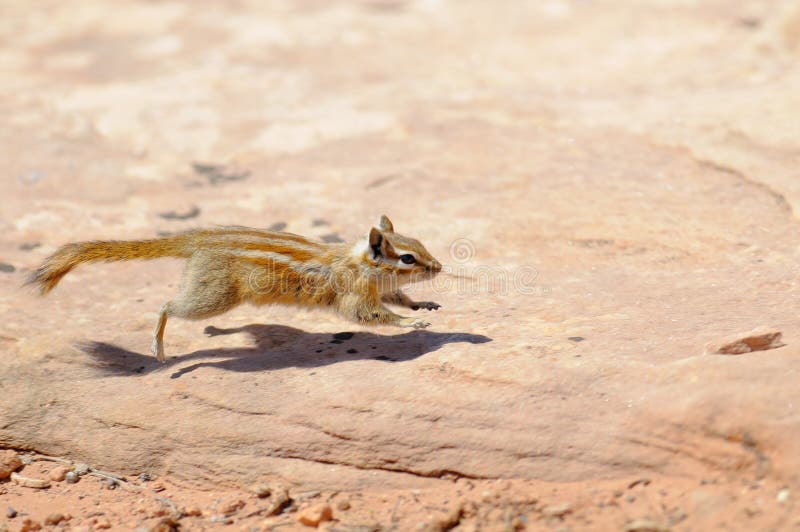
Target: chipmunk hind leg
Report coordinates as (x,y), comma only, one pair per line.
(208,289)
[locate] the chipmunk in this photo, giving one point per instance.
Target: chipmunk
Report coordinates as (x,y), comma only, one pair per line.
(228,266)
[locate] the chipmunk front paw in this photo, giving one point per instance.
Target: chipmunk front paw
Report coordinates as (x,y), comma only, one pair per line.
(414,323)
(430,305)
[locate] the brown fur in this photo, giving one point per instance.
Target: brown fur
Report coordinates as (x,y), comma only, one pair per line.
(233,265)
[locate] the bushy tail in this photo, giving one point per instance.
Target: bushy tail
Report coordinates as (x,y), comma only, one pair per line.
(60,263)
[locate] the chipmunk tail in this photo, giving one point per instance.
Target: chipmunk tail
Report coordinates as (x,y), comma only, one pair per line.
(56,266)
(60,263)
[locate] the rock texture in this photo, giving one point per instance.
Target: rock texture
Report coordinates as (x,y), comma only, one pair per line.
(619,181)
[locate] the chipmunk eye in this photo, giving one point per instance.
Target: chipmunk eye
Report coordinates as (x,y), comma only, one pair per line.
(408,259)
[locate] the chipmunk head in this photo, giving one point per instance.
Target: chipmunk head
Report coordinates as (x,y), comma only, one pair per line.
(398,255)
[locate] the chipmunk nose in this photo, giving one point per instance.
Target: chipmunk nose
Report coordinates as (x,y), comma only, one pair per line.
(436,266)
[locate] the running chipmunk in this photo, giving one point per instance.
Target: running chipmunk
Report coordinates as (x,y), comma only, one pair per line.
(228,266)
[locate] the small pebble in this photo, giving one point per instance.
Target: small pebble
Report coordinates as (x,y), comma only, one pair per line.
(53,519)
(111,483)
(307,495)
(71,477)
(646,525)
(11,513)
(557,510)
(29,525)
(783,496)
(232,506)
(81,469)
(343,505)
(10,461)
(167,524)
(59,473)
(314,515)
(145,477)
(261,490)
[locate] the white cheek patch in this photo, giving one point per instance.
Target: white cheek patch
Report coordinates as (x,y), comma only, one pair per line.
(360,248)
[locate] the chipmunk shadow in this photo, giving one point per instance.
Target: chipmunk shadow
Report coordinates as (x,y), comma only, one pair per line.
(277,347)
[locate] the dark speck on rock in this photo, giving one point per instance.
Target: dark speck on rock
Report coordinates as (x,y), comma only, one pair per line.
(332,238)
(27,246)
(343,335)
(576,338)
(336,341)
(7,268)
(319,221)
(352,351)
(174,215)
(277,226)
(381,357)
(217,173)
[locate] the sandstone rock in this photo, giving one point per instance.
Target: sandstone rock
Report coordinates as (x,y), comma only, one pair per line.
(9,462)
(59,473)
(653,195)
(760,339)
(314,515)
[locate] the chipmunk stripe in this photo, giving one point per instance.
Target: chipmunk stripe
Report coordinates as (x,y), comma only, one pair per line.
(277,262)
(271,235)
(284,249)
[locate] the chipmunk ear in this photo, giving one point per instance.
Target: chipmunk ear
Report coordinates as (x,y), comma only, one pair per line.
(385,224)
(378,245)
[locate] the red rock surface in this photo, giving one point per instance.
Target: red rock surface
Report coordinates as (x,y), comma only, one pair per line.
(619,179)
